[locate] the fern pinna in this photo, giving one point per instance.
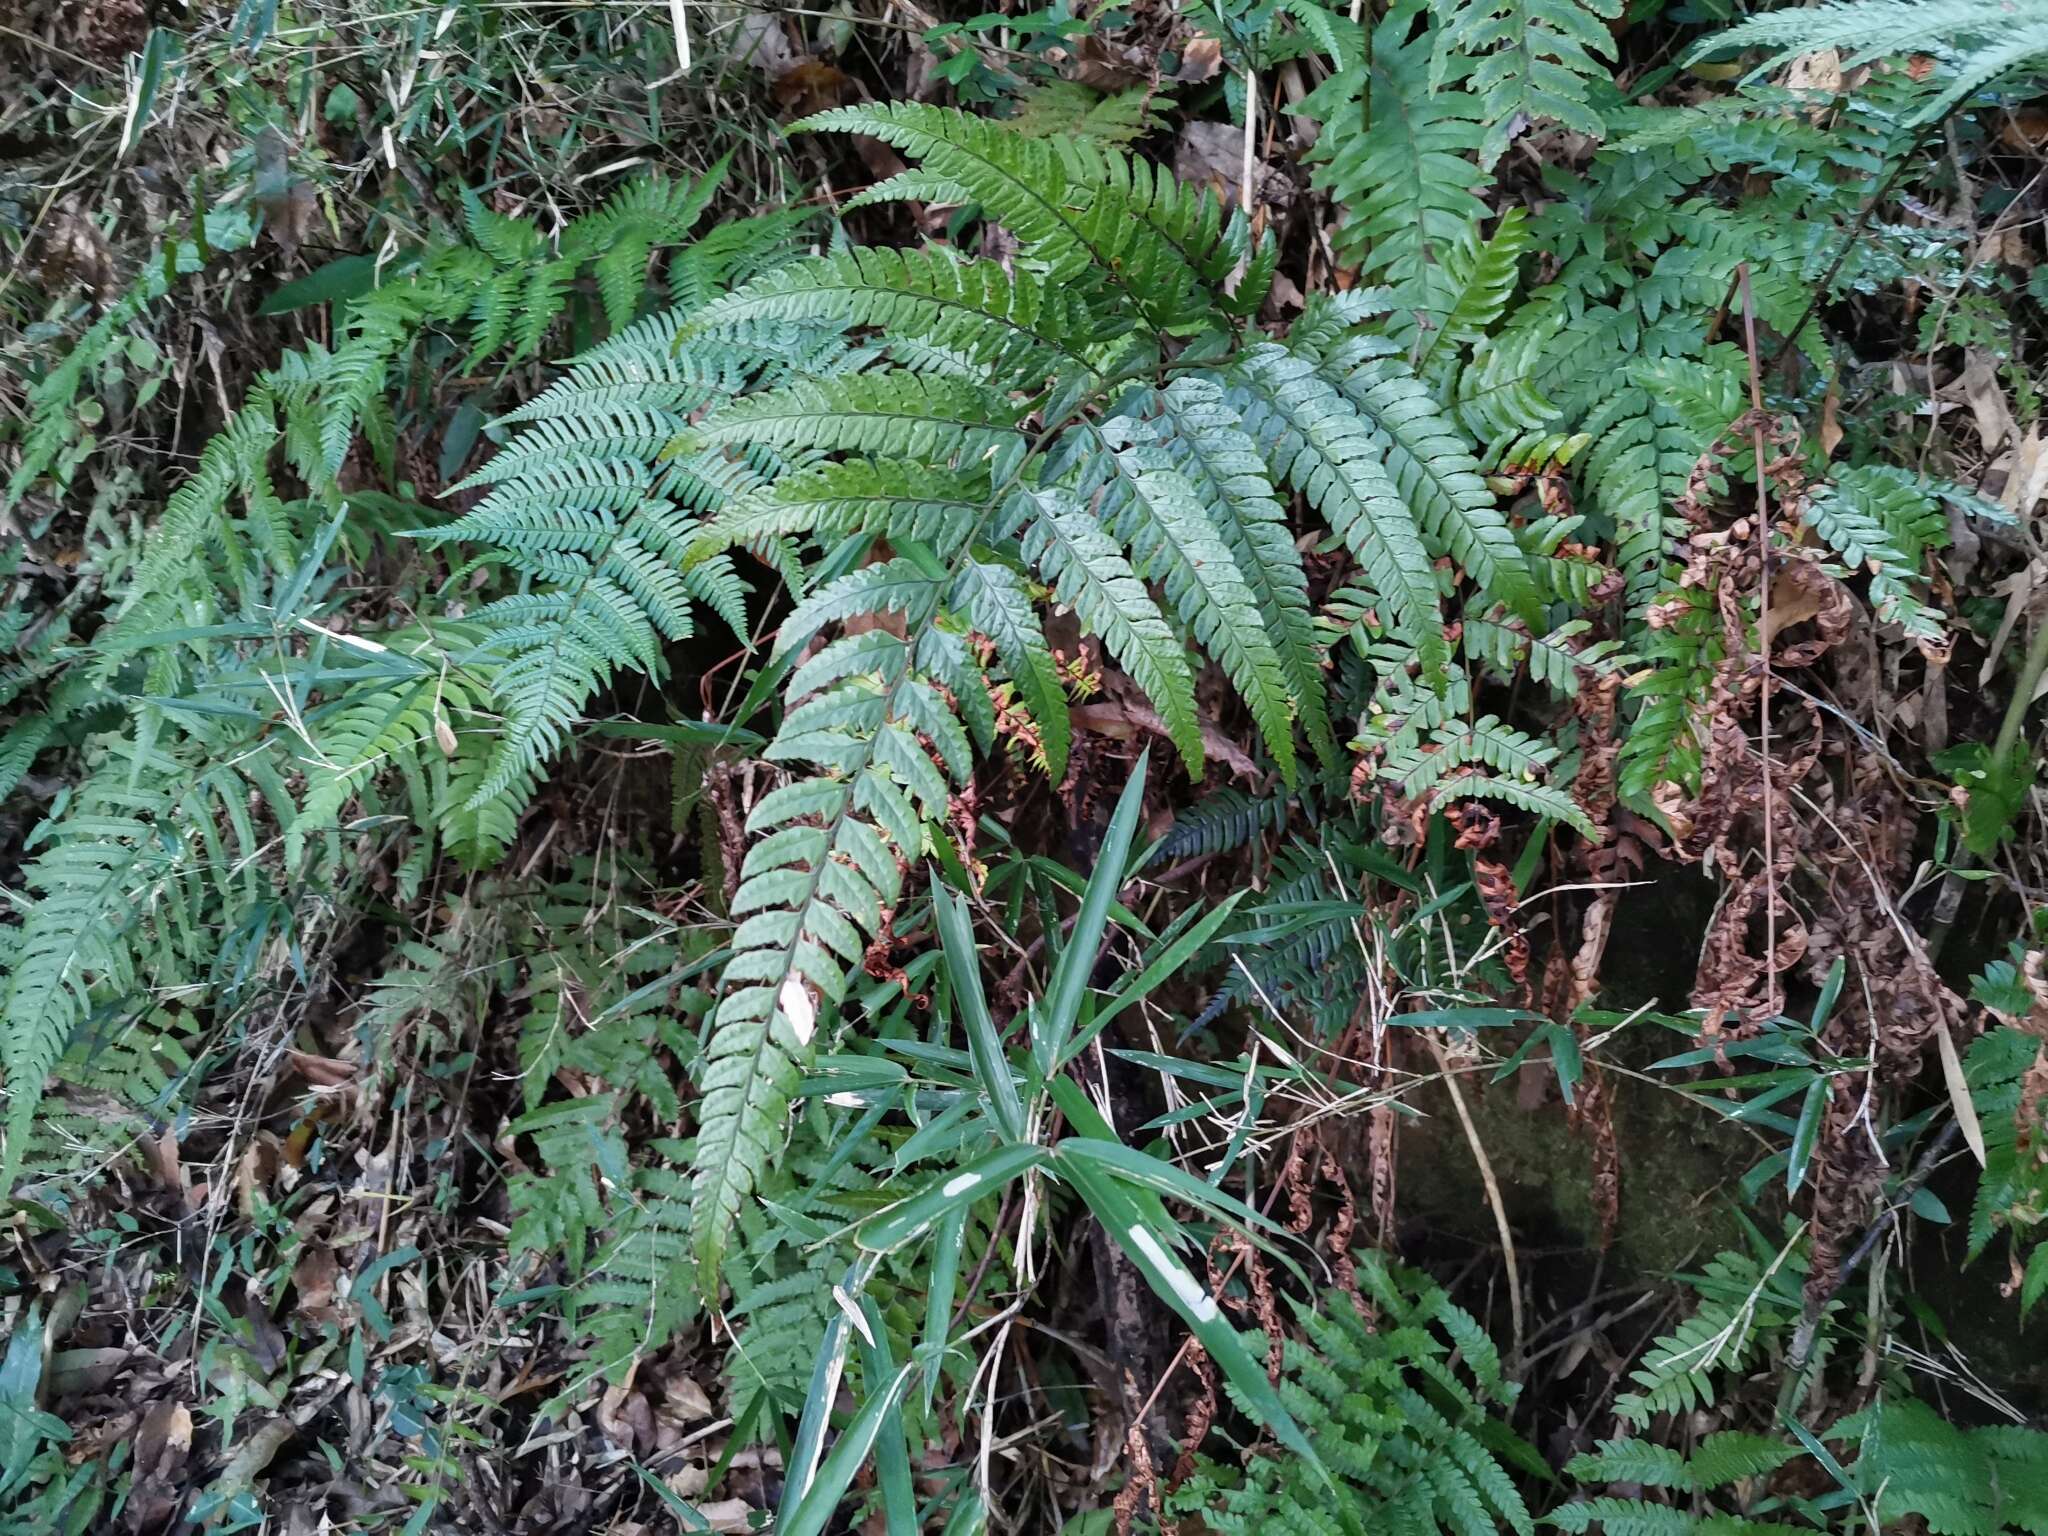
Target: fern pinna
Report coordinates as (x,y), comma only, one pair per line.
(1093,423)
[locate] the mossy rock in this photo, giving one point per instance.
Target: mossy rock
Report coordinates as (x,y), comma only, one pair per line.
(1679,1163)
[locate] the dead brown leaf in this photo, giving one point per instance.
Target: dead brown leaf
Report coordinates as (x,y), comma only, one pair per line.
(1819,72)
(2025,129)
(1122,720)
(1201,59)
(161,1447)
(810,85)
(1831,433)
(316,1277)
(1103,64)
(1986,398)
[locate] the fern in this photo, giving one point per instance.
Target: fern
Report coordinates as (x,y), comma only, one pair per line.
(122,870)
(1401,1412)
(1977,41)
(1130,487)
(1148,506)
(1064,109)
(1212,450)
(1394,154)
(1720,1459)
(1479,278)
(55,442)
(1436,474)
(1221,822)
(812,892)
(1296,948)
(1911,1463)
(1743,1304)
(2012,1192)
(1527,61)
(1880,521)
(156,859)
(1320,443)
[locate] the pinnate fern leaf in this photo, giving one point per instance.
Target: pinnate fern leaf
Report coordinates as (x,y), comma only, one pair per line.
(1088,572)
(1156,513)
(825,867)
(1220,459)
(1321,445)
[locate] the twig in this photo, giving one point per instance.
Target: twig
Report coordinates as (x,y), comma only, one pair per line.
(1763,630)
(1251,128)
(1493,1199)
(981,1269)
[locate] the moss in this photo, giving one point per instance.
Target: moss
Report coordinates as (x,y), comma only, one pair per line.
(1679,1162)
(1678,1167)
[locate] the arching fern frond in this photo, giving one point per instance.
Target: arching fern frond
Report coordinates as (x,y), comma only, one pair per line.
(1321,445)
(1212,450)
(1527,61)
(893,411)
(813,890)
(1436,474)
(1884,523)
(1395,155)
(1088,572)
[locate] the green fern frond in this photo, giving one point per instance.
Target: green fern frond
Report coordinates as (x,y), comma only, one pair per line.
(813,890)
(1627,1460)
(1527,61)
(1061,109)
(1395,154)
(1436,474)
(893,412)
(617,238)
(1329,452)
(1220,822)
(1742,1304)
(1089,213)
(1732,1455)
(1088,572)
(1010,322)
(892,498)
(1150,508)
(19,744)
(1979,41)
(122,859)
(993,599)
(1883,524)
(1623,1517)
(1402,1429)
(889,586)
(1215,454)
(1479,278)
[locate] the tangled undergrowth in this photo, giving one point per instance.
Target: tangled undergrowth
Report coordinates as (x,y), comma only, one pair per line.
(1175,768)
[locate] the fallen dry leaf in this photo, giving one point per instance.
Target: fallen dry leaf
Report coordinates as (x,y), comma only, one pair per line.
(1986,398)
(161,1446)
(1830,424)
(1819,71)
(1211,155)
(2025,129)
(683,1395)
(1200,60)
(728,1515)
(316,1277)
